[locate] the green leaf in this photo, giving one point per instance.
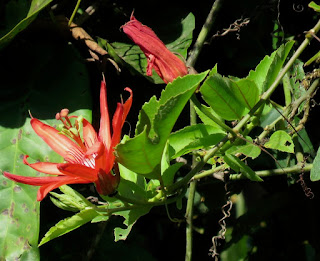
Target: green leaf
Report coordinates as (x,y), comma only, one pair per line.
(193,137)
(16,23)
(142,154)
(169,173)
(136,59)
(314,6)
(248,149)
(71,223)
(132,186)
(70,199)
(146,116)
(247,92)
(237,165)
(130,216)
(204,118)
(269,68)
(39,90)
(224,96)
(280,140)
(315,171)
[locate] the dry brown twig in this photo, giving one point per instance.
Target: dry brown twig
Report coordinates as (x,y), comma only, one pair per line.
(97,53)
(234,27)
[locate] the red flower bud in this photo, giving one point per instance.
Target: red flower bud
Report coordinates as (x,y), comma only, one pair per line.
(167,65)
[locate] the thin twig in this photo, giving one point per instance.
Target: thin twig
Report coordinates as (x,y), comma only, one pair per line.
(75,10)
(193,56)
(189,219)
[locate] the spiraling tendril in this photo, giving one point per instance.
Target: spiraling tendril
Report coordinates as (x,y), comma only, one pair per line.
(226,211)
(298,7)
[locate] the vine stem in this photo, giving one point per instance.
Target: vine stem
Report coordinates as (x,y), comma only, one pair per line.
(210,153)
(296,169)
(194,54)
(275,84)
(74,12)
(189,219)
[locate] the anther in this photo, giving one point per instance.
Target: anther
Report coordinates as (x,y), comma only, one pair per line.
(64,112)
(58,116)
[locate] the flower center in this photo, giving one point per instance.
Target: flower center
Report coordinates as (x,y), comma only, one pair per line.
(71,130)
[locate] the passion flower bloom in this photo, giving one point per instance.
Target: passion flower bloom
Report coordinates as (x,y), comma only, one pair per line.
(89,158)
(167,65)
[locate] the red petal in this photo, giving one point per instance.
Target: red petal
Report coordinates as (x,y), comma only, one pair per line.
(34,181)
(89,134)
(126,105)
(58,142)
(117,125)
(44,167)
(78,170)
(97,148)
(44,190)
(104,131)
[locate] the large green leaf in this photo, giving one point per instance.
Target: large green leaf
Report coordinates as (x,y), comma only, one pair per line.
(136,59)
(18,16)
(142,154)
(229,99)
(44,85)
(193,137)
(269,68)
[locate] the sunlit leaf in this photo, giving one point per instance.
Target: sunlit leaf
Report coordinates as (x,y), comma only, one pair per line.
(70,199)
(248,149)
(142,154)
(71,223)
(132,186)
(193,137)
(218,93)
(280,140)
(130,216)
(269,68)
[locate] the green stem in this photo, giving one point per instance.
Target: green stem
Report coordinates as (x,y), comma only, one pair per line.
(290,108)
(210,153)
(184,181)
(130,200)
(286,89)
(189,219)
(74,12)
(275,84)
(204,33)
(209,172)
(296,169)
